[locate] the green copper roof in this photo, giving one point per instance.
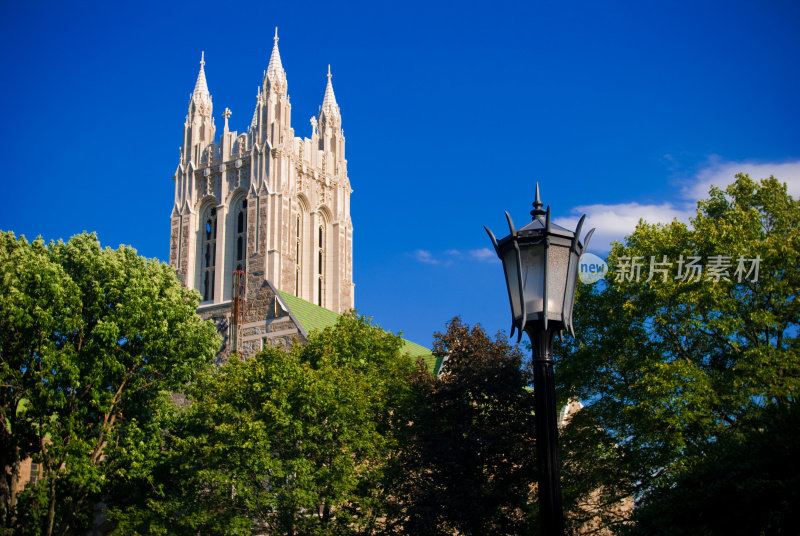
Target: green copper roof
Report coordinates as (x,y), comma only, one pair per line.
(313,317)
(416,351)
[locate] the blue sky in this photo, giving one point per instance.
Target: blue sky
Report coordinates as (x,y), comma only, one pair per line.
(452,111)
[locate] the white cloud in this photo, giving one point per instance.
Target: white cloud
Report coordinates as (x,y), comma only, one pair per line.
(614,222)
(483,254)
(449,257)
(425,257)
(721,173)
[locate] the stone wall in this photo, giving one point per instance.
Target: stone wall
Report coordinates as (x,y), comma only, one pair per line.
(265,323)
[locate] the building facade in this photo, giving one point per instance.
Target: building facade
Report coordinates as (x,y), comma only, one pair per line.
(265,204)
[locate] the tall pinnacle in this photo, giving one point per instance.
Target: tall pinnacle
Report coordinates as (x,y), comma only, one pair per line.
(330,99)
(275,67)
(201,87)
(537,204)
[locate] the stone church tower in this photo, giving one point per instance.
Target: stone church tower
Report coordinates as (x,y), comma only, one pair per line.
(266,203)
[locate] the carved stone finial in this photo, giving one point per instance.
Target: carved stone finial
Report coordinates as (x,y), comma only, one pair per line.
(329,71)
(202,58)
(275,39)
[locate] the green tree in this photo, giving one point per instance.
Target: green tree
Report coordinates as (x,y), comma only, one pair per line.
(466,463)
(90,340)
(668,367)
(291,441)
(746,483)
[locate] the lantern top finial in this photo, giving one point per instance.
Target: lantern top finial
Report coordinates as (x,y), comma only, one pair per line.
(537,205)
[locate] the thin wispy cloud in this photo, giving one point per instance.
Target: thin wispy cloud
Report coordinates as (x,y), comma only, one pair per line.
(483,255)
(450,256)
(425,257)
(616,221)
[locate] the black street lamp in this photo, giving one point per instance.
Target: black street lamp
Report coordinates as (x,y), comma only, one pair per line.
(540,262)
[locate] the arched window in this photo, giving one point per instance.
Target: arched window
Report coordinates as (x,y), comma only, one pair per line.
(240,235)
(321,265)
(233,226)
(209,252)
(303,252)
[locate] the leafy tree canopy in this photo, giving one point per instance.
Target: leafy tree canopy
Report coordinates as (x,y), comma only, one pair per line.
(669,367)
(90,339)
(466,462)
(747,483)
(291,441)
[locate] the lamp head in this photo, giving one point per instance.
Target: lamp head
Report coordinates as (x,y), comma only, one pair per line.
(540,262)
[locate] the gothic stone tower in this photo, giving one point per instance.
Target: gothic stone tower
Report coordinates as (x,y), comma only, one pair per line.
(267,203)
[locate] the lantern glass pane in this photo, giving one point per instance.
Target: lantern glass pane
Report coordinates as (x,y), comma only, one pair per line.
(558,261)
(512,281)
(572,277)
(533,277)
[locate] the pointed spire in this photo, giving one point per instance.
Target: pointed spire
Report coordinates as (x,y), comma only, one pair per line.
(537,204)
(330,98)
(201,87)
(275,68)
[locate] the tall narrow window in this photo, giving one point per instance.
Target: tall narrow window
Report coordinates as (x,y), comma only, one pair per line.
(36,473)
(298,254)
(209,246)
(321,266)
(240,237)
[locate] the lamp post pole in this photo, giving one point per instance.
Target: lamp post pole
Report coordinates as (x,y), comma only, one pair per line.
(550,508)
(540,262)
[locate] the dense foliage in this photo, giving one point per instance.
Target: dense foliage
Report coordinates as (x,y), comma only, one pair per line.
(344,435)
(466,463)
(674,370)
(90,340)
(291,441)
(746,483)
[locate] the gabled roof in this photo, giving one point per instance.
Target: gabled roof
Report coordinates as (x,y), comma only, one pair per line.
(312,317)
